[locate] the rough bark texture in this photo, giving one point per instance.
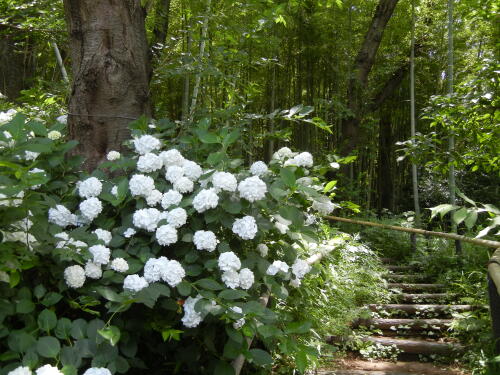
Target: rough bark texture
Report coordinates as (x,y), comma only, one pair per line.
(111,72)
(362,67)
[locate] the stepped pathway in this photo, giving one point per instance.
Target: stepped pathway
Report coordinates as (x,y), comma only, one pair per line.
(414,323)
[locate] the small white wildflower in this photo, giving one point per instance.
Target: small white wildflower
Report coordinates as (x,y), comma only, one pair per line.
(74,276)
(103,235)
(276,267)
(231,279)
(172,157)
(93,270)
(54,135)
(252,189)
(205,200)
(177,217)
(183,185)
(205,240)
(119,265)
(113,155)
(91,208)
(141,185)
(247,278)
(100,253)
(166,235)
(259,168)
(192,170)
(146,144)
(146,218)
(129,232)
(149,162)
(229,261)
(171,198)
(224,181)
(134,283)
(154,198)
(245,227)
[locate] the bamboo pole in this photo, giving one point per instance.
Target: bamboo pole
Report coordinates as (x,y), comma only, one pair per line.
(60,61)
(450,236)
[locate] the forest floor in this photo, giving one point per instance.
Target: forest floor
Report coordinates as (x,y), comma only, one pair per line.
(416,322)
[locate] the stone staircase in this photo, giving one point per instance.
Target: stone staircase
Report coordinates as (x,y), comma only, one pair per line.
(414,323)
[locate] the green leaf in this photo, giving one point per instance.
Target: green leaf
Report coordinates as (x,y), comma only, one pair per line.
(20,341)
(459,215)
(267,331)
(223,368)
(261,357)
(471,218)
(39,291)
(231,294)
(184,288)
(288,177)
(69,370)
(109,294)
(234,334)
(298,327)
(51,299)
(63,328)
(442,209)
(329,186)
(215,158)
(209,284)
(25,306)
(78,329)
(37,128)
(111,333)
(207,137)
(48,347)
(233,207)
(47,320)
(231,138)
(301,361)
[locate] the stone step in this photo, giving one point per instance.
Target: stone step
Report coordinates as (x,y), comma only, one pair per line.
(362,372)
(422,309)
(398,268)
(405,324)
(405,277)
(422,297)
(416,346)
(413,287)
(388,260)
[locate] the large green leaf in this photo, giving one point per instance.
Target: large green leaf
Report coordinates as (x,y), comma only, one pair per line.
(261,357)
(111,333)
(47,320)
(48,347)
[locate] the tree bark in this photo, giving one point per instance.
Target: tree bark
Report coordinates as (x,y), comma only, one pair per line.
(359,77)
(111,72)
(384,165)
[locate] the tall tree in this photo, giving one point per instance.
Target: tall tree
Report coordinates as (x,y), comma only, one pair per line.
(111,72)
(358,79)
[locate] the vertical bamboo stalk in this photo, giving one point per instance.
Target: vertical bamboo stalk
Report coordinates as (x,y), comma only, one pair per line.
(60,61)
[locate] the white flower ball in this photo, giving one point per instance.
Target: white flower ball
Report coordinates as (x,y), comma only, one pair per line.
(93,270)
(174,172)
(171,198)
(247,278)
(119,265)
(90,208)
(100,253)
(103,235)
(30,155)
(300,268)
(114,191)
(205,200)
(305,181)
(191,318)
(177,217)
(74,276)
(61,216)
(113,155)
(146,144)
(229,261)
(245,227)
(146,218)
(252,189)
(91,187)
(154,198)
(63,119)
(324,207)
(154,269)
(54,135)
(134,283)
(129,232)
(224,181)
(259,168)
(192,170)
(304,159)
(183,185)
(283,153)
(166,235)
(276,267)
(20,371)
(174,273)
(141,185)
(263,250)
(172,157)
(240,322)
(149,162)
(295,283)
(205,240)
(231,279)
(48,369)
(97,371)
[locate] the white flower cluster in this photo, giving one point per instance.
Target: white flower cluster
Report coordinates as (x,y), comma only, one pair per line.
(97,371)
(146,143)
(304,159)
(146,218)
(259,168)
(283,153)
(48,370)
(230,264)
(113,155)
(141,185)
(300,268)
(134,283)
(149,163)
(240,322)
(100,253)
(263,249)
(192,170)
(93,270)
(74,276)
(103,235)
(20,371)
(119,265)
(205,240)
(224,181)
(68,242)
(91,187)
(61,216)
(245,227)
(324,206)
(205,200)
(171,198)
(172,157)
(170,271)
(90,209)
(177,217)
(166,235)
(191,318)
(229,261)
(252,189)
(277,266)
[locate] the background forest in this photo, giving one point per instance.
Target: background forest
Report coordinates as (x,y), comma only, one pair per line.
(395,100)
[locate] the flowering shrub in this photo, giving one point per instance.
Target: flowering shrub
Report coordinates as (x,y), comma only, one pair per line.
(175,252)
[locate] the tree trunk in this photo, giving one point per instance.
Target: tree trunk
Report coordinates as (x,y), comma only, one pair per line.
(162,22)
(359,77)
(384,174)
(111,72)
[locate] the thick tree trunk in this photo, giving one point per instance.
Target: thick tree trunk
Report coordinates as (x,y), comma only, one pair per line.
(359,77)
(111,72)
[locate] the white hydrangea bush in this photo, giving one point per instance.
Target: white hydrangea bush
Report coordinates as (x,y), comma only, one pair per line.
(201,239)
